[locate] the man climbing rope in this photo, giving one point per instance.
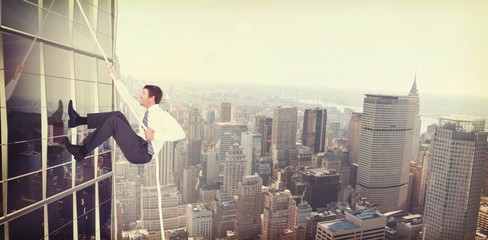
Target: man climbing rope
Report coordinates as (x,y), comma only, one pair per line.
(156,126)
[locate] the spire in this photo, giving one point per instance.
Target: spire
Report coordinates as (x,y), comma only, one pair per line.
(413,91)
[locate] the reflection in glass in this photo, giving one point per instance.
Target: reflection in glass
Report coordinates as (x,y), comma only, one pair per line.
(85,97)
(105,98)
(106,43)
(20,15)
(104,23)
(103,75)
(84,170)
(105,5)
(58,179)
(60,214)
(56,27)
(24,157)
(56,151)
(58,62)
(85,68)
(85,203)
(29,226)
(24,191)
(15,49)
(105,200)
(82,38)
(58,7)
(104,161)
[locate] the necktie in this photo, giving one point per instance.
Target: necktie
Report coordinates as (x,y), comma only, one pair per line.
(150,148)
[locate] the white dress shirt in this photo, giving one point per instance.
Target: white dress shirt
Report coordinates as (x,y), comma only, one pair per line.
(165,127)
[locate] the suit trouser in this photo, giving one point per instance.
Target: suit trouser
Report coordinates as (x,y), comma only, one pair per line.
(115,124)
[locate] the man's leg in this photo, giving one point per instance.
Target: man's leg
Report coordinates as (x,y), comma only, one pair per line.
(94,120)
(133,146)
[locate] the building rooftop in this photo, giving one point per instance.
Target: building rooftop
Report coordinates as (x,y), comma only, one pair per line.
(339,225)
(365,214)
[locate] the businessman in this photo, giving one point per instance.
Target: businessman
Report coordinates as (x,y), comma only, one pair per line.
(156,126)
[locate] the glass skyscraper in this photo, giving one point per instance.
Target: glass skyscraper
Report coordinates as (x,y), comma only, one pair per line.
(45,193)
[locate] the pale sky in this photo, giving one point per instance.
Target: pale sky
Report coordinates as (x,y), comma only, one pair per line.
(372,45)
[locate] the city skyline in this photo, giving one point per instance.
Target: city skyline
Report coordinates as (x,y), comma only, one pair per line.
(375,46)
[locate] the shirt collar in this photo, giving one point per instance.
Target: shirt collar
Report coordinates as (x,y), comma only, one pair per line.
(153,107)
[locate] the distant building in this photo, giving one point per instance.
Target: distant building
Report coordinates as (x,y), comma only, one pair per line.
(235,164)
(360,225)
(314,129)
(354,136)
(264,126)
(264,169)
(284,136)
(457,164)
(251,144)
(313,219)
(249,207)
(409,230)
(387,126)
(227,112)
(483,216)
(304,156)
(225,135)
(276,213)
(199,220)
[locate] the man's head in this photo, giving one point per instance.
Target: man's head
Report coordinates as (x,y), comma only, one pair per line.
(150,95)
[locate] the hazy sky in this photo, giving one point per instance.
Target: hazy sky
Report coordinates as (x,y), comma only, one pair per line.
(372,45)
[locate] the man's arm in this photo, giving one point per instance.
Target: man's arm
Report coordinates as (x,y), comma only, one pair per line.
(167,129)
(10,88)
(133,104)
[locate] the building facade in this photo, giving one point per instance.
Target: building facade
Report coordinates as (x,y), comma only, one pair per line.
(456,171)
(249,208)
(385,150)
(43,189)
(284,136)
(314,129)
(358,225)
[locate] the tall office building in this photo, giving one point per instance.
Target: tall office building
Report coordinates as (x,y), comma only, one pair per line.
(386,149)
(354,136)
(276,213)
(249,207)
(417,124)
(458,154)
(264,126)
(227,112)
(199,220)
(46,194)
(225,135)
(194,137)
(284,136)
(251,145)
(235,163)
(189,185)
(482,225)
(314,129)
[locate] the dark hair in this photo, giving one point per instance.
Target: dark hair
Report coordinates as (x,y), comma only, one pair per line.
(154,91)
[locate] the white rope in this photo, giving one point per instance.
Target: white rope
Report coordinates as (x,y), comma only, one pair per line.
(113,78)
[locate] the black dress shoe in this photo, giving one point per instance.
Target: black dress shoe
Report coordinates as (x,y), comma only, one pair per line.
(73,115)
(75,150)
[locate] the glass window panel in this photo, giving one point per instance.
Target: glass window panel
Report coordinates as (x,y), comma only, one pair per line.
(21,15)
(58,179)
(24,157)
(106,43)
(105,221)
(56,152)
(15,49)
(105,93)
(86,214)
(58,96)
(29,226)
(57,62)
(82,38)
(105,5)
(104,23)
(60,214)
(85,97)
(59,7)
(84,170)
(1,203)
(56,27)
(88,9)
(85,68)
(2,231)
(104,162)
(103,75)
(24,191)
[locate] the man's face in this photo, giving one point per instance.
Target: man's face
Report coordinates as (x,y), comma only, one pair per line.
(145,100)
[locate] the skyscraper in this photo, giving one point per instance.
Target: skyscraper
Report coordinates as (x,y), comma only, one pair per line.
(194,137)
(251,144)
(354,136)
(46,194)
(276,213)
(235,163)
(284,136)
(227,112)
(386,149)
(314,129)
(199,220)
(249,207)
(416,127)
(225,135)
(264,126)
(456,170)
